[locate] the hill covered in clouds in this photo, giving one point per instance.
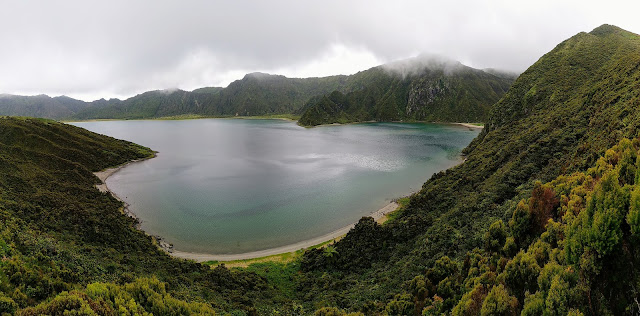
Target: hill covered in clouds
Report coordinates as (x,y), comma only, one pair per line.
(381,92)
(425,88)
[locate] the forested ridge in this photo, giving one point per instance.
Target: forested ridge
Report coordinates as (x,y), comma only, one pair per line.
(558,118)
(64,245)
(409,86)
(542,218)
(421,89)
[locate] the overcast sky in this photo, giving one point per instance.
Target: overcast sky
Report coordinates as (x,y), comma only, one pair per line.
(90,49)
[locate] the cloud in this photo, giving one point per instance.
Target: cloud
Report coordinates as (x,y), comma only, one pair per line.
(120,48)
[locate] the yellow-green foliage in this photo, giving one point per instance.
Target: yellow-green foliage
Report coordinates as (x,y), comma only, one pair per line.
(146,296)
(58,233)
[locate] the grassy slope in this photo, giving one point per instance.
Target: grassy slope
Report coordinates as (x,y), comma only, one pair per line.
(431,93)
(560,115)
(59,233)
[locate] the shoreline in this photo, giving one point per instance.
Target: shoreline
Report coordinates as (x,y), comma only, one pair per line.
(202,257)
(469,125)
(275,117)
(102,187)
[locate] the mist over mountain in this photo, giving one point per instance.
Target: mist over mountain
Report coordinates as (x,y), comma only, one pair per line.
(539,219)
(542,217)
(425,88)
(259,94)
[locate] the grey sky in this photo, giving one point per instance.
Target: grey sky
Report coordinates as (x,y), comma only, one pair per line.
(90,49)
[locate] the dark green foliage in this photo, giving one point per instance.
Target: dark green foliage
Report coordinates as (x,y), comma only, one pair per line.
(377,94)
(58,233)
(495,237)
(40,106)
(499,302)
(558,118)
(552,161)
(355,252)
(418,90)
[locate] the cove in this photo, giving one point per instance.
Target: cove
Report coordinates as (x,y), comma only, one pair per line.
(224,186)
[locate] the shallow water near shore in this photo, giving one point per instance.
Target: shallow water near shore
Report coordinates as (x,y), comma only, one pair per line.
(233,186)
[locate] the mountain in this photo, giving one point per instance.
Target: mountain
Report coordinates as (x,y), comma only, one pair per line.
(542,218)
(465,96)
(425,88)
(255,94)
(40,106)
(478,236)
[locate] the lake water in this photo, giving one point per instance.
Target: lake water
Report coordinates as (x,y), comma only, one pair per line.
(232,186)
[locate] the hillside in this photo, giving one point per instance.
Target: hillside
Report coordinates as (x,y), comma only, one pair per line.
(255,94)
(542,218)
(559,117)
(40,106)
(61,237)
(419,89)
(401,90)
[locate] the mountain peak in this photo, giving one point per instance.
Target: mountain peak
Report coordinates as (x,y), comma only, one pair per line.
(607,29)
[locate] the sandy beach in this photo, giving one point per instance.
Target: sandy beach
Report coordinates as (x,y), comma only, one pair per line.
(106,173)
(377,215)
(469,125)
(284,249)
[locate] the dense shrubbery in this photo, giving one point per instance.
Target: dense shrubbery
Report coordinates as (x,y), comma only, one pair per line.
(378,95)
(58,234)
(428,93)
(559,117)
(543,218)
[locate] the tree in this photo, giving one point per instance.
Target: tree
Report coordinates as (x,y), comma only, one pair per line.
(499,302)
(495,237)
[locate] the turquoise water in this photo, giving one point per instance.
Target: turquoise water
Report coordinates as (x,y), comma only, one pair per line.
(232,186)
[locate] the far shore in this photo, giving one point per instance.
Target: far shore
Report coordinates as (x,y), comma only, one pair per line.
(378,215)
(283,117)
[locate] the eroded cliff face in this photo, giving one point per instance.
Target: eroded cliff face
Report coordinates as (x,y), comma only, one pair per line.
(423,94)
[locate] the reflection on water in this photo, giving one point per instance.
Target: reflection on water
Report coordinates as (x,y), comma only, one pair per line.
(232,186)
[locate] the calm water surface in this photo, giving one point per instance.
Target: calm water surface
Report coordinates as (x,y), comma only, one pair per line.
(232,186)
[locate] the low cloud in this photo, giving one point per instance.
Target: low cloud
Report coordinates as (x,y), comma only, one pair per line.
(120,48)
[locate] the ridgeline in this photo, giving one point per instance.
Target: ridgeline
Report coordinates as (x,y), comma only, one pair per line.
(543,217)
(467,238)
(418,89)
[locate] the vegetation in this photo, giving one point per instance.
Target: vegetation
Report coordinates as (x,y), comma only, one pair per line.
(558,118)
(543,218)
(272,96)
(64,245)
(420,89)
(40,106)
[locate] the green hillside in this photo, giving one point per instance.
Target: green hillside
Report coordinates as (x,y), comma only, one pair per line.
(542,218)
(418,89)
(559,117)
(379,93)
(61,237)
(40,106)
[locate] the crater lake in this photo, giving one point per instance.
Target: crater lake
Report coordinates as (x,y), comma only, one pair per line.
(227,186)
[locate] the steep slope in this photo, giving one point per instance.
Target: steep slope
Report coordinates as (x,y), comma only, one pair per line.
(40,106)
(424,88)
(559,116)
(255,94)
(401,90)
(64,245)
